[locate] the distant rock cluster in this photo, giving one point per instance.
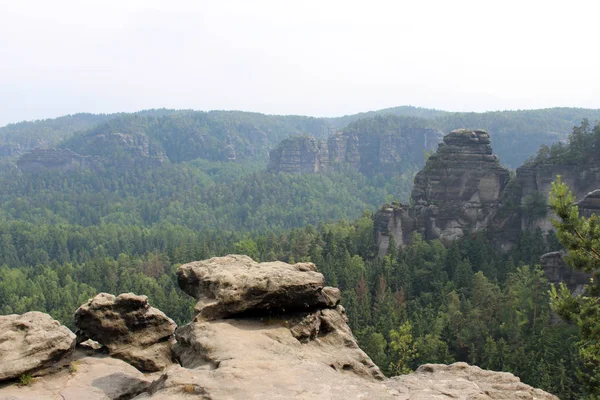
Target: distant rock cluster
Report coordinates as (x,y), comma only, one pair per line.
(366,152)
(263,330)
(464,189)
(120,150)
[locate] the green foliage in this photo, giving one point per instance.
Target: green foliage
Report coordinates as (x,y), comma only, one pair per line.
(404,349)
(25,380)
(581,237)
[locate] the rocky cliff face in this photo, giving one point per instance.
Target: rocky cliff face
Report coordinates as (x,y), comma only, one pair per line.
(460,187)
(300,154)
(40,160)
(459,190)
(556,270)
(535,180)
(263,330)
(386,151)
(120,150)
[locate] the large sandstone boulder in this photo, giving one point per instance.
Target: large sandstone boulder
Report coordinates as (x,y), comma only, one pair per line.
(130,329)
(30,342)
(234,284)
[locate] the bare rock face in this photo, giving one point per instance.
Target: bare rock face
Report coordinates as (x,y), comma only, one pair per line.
(460,187)
(299,154)
(459,190)
(30,342)
(131,330)
(590,204)
(557,270)
(89,378)
(372,146)
(534,181)
(235,284)
(39,160)
(393,220)
(462,381)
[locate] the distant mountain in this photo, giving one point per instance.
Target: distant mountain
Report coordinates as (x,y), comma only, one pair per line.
(185,135)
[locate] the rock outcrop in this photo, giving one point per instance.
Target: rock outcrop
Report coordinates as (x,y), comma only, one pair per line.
(556,270)
(40,160)
(120,150)
(368,149)
(462,381)
(460,187)
(532,184)
(299,154)
(31,342)
(89,377)
(131,330)
(458,190)
(280,353)
(264,331)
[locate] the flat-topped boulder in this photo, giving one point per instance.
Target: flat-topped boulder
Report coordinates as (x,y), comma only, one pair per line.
(30,342)
(130,329)
(235,284)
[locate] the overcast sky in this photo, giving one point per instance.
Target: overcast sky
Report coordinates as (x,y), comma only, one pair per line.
(321,58)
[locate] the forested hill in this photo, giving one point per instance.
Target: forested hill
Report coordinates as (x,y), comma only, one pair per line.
(185,135)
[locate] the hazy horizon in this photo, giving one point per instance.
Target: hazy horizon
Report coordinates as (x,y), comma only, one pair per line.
(323,59)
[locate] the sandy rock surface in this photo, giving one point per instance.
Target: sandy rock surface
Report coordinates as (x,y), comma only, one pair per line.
(30,342)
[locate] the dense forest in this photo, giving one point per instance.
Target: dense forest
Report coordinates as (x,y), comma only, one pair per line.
(65,236)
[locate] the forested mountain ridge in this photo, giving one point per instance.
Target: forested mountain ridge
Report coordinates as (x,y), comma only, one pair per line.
(226,135)
(66,236)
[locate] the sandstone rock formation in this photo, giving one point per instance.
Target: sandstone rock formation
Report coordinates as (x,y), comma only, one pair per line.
(462,381)
(556,270)
(534,181)
(40,160)
(295,354)
(235,284)
(590,204)
(130,329)
(84,377)
(299,154)
(458,190)
(369,149)
(265,331)
(30,342)
(460,187)
(121,149)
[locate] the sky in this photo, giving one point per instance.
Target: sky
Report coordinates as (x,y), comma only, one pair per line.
(320,58)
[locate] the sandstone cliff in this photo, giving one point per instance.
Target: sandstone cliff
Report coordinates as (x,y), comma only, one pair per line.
(40,160)
(299,154)
(372,146)
(120,150)
(263,330)
(458,190)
